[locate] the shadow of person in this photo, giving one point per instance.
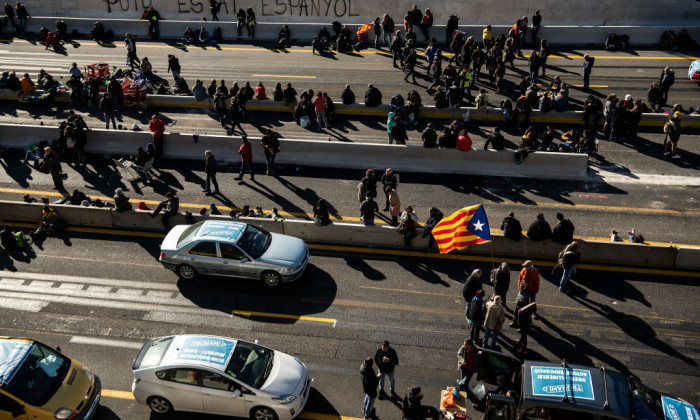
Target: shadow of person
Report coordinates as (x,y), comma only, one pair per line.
(361,265)
(634,327)
(623,290)
(421,270)
(6,262)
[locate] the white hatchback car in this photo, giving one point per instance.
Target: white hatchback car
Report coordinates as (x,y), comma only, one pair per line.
(218,375)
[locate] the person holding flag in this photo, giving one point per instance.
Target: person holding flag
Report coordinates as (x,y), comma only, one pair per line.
(465,227)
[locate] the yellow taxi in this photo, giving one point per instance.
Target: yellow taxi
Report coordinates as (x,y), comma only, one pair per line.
(38,382)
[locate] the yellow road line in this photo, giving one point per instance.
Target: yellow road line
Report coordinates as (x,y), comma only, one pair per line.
(593,86)
(284,75)
(286,316)
(122,395)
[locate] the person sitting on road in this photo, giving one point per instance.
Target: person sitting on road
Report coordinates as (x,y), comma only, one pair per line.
(51,224)
(283,39)
(27,84)
(613,42)
(414,410)
(189,37)
(53,42)
(321,216)
(8,239)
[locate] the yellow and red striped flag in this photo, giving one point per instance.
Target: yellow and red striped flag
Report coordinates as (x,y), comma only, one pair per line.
(466,226)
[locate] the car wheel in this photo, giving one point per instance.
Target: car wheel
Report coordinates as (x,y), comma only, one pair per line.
(263,413)
(186,272)
(271,278)
(160,405)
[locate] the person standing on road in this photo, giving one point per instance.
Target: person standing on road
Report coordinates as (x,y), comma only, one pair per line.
(501,282)
(368,208)
(587,68)
(157,129)
(536,25)
(668,77)
(394,205)
(174,65)
(271,146)
(246,152)
(466,362)
(539,230)
(568,259)
(210,170)
(389,180)
(153,17)
(390,122)
(477,313)
(370,380)
(320,107)
(107,107)
(493,322)
(53,164)
(170,206)
(530,277)
(214,7)
(563,231)
(672,129)
(386,360)
(22,16)
(387,28)
(471,285)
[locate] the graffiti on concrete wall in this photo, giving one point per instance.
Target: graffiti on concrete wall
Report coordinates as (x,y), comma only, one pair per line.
(320,8)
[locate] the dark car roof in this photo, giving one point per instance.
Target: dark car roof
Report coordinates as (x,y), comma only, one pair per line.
(543,381)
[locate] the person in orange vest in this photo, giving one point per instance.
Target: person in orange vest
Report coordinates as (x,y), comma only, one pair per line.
(531,277)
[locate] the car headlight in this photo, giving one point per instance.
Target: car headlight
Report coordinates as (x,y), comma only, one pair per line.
(285,399)
(64,414)
(90,375)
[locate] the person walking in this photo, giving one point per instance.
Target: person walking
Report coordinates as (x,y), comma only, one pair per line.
(131,58)
(53,164)
(568,259)
(523,315)
(368,208)
(386,360)
(493,321)
(169,206)
(477,314)
(370,380)
(587,68)
(389,180)
(466,362)
(529,277)
(107,107)
(271,146)
(666,80)
(672,129)
(501,282)
(210,170)
(174,65)
(157,129)
(246,152)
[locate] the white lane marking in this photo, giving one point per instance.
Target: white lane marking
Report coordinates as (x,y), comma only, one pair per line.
(89,280)
(76,339)
(100,292)
(22,305)
(44,284)
(644,179)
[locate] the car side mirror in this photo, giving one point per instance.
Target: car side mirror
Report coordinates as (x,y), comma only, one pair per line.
(58,349)
(18,411)
(236,393)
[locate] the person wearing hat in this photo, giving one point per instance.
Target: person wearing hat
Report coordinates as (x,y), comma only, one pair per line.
(170,205)
(415,410)
(672,129)
(530,277)
(615,237)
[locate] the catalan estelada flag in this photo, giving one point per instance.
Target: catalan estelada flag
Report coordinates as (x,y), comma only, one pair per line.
(467,226)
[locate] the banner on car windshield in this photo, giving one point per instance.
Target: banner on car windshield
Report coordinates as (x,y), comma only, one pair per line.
(12,354)
(679,410)
(549,382)
(211,351)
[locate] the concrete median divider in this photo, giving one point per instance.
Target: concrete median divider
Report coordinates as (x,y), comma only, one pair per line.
(352,234)
(545,165)
(490,115)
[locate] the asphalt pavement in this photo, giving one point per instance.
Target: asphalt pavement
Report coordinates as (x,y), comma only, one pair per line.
(106,296)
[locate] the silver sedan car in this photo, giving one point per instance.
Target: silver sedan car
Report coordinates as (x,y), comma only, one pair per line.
(236,249)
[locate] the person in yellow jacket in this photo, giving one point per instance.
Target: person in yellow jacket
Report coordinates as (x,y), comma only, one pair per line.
(488,38)
(27,84)
(465,81)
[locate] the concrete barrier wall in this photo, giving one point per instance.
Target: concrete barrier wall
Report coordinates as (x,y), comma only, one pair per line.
(304,31)
(492,115)
(324,154)
(593,12)
(350,234)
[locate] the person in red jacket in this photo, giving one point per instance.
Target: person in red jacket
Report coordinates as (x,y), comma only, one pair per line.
(157,129)
(246,152)
(530,276)
(464,142)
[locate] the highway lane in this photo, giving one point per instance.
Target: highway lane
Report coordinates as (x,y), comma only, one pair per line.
(97,296)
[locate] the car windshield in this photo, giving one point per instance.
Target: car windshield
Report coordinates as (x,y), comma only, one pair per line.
(250,364)
(188,234)
(645,400)
(254,241)
(40,375)
(155,352)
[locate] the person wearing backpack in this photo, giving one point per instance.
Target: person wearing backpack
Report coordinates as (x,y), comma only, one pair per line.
(672,129)
(568,259)
(563,231)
